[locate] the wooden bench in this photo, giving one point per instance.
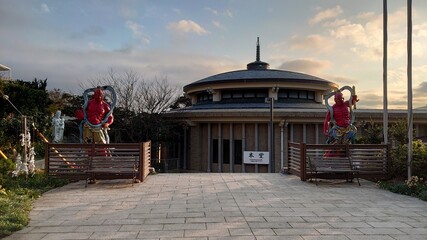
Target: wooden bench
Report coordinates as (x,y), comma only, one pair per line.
(91,162)
(106,167)
(333,165)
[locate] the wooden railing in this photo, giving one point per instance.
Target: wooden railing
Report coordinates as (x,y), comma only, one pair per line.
(72,161)
(372,160)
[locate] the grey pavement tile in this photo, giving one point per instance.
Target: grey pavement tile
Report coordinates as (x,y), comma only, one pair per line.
(185,238)
(25,236)
(160,234)
(309,225)
(394,224)
(255,219)
(279,238)
(114,235)
(140,227)
(240,232)
(270,225)
(185,214)
(164,220)
(235,219)
(223,214)
(409,237)
(296,231)
(211,226)
(64,236)
(103,228)
(350,225)
(321,219)
(338,231)
(284,219)
(148,215)
(233,238)
(263,232)
(185,226)
(205,220)
(370,237)
(328,237)
(260,214)
(415,231)
(123,221)
(207,233)
(53,229)
(377,231)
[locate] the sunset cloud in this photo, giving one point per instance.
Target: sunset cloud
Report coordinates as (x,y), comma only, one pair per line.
(187,26)
(308,66)
(137,31)
(325,14)
(313,42)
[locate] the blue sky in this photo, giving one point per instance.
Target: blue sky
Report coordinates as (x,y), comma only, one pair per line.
(71,42)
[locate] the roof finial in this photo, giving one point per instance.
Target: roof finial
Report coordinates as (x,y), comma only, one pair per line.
(258,64)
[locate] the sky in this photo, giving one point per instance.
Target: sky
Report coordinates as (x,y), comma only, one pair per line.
(72,42)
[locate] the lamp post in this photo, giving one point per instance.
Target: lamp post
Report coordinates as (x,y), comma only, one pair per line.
(270,100)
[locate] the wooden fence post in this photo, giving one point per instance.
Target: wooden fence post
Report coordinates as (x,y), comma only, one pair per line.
(46,158)
(141,161)
(303,165)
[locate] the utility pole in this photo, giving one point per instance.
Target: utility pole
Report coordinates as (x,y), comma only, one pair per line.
(385,101)
(270,100)
(409,73)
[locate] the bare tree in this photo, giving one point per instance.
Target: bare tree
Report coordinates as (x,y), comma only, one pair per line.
(137,95)
(157,96)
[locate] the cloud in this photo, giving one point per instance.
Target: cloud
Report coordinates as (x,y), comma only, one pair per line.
(44,8)
(325,14)
(187,26)
(369,100)
(336,23)
(311,43)
(26,64)
(366,39)
(421,88)
(308,66)
(137,31)
(420,30)
(217,24)
(228,13)
(91,31)
(213,11)
(340,80)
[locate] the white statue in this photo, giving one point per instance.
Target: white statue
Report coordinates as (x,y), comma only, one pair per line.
(31,160)
(58,123)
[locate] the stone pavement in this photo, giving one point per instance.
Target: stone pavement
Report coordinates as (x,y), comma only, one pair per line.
(237,206)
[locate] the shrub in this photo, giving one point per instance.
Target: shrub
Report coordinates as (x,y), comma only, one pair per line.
(6,166)
(399,155)
(38,182)
(415,187)
(423,194)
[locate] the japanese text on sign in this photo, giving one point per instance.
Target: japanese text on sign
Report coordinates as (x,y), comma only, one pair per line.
(254,157)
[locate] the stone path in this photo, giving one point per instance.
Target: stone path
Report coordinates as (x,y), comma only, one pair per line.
(210,206)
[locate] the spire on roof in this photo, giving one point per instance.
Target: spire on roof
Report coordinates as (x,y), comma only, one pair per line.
(258,64)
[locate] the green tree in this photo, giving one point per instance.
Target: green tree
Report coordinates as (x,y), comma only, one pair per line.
(27,98)
(372,133)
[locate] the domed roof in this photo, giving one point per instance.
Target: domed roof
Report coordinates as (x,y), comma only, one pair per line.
(266,75)
(259,72)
